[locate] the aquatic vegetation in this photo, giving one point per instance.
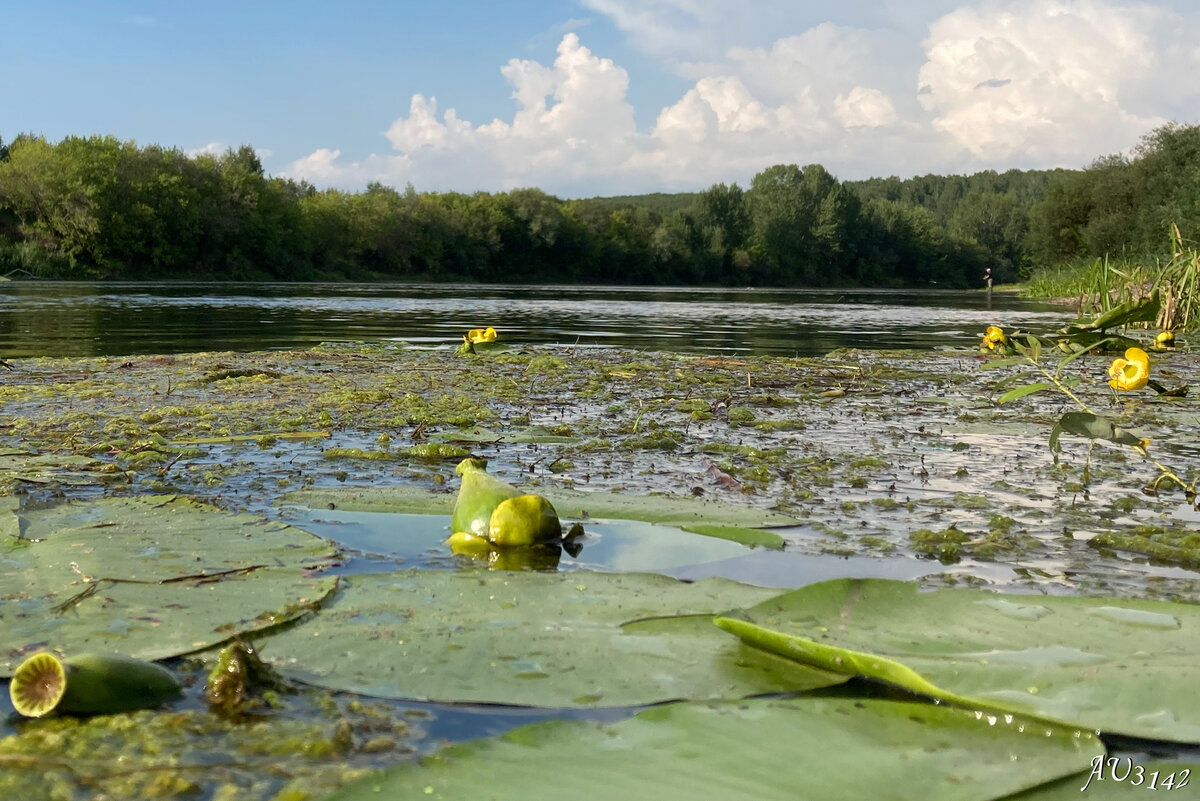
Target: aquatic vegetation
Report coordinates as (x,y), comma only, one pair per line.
(1125,374)
(240,681)
(624,421)
(477,335)
(944,545)
(149,577)
(994,339)
(1043,656)
(576,640)
(89,684)
(907,459)
(1178,545)
(833,748)
(304,746)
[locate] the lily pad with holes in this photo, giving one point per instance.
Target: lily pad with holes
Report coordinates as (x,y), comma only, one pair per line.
(741,524)
(148,577)
(763,749)
(1120,666)
(535,639)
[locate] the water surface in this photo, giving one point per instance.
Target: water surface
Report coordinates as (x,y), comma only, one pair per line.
(39,318)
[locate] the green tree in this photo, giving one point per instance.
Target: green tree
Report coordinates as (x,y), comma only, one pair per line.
(998,223)
(802,225)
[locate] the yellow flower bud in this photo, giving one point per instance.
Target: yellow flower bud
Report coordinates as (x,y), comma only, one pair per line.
(477,335)
(994,337)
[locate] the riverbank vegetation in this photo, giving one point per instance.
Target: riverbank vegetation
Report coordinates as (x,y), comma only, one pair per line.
(97,207)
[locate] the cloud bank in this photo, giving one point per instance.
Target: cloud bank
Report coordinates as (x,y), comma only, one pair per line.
(1023,83)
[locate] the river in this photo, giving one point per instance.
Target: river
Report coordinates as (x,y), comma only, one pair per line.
(41,318)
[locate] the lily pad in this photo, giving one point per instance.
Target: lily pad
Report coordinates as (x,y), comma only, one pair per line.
(737,523)
(49,468)
(148,577)
(827,748)
(536,639)
(1092,426)
(1120,666)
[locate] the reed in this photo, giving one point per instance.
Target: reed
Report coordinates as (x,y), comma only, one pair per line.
(1094,286)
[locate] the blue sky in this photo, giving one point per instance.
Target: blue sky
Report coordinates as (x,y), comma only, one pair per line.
(607,96)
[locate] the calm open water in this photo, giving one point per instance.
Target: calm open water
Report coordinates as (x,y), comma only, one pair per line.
(42,318)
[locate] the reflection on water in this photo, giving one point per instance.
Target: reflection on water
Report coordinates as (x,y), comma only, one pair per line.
(91,319)
(392,540)
(381,541)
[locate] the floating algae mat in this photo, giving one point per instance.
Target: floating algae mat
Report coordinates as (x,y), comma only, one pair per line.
(876,454)
(783,461)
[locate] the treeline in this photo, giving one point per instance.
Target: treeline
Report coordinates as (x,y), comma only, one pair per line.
(97,207)
(1123,205)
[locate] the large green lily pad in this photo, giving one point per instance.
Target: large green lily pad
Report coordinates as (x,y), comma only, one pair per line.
(738,523)
(49,468)
(821,748)
(148,577)
(1120,666)
(537,639)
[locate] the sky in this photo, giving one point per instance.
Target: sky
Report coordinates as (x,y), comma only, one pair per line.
(606,97)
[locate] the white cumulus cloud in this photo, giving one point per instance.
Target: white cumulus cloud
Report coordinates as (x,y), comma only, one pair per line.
(863,107)
(1052,81)
(991,84)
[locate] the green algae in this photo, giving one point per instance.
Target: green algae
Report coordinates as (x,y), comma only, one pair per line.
(307,744)
(945,545)
(1169,545)
(357,453)
(908,458)
(630,423)
(741,416)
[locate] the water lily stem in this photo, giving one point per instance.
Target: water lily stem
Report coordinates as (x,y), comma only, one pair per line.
(1164,471)
(1063,388)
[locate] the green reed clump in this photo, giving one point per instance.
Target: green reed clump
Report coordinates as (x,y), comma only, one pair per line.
(1100,285)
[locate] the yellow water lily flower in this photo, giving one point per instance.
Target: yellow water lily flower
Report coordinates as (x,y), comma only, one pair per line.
(1130,373)
(1165,339)
(994,338)
(476,335)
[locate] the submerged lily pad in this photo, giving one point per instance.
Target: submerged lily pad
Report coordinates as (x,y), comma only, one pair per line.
(536,639)
(49,468)
(738,523)
(148,577)
(827,748)
(1121,666)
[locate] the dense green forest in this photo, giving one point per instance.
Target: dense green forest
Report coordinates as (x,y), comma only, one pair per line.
(97,207)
